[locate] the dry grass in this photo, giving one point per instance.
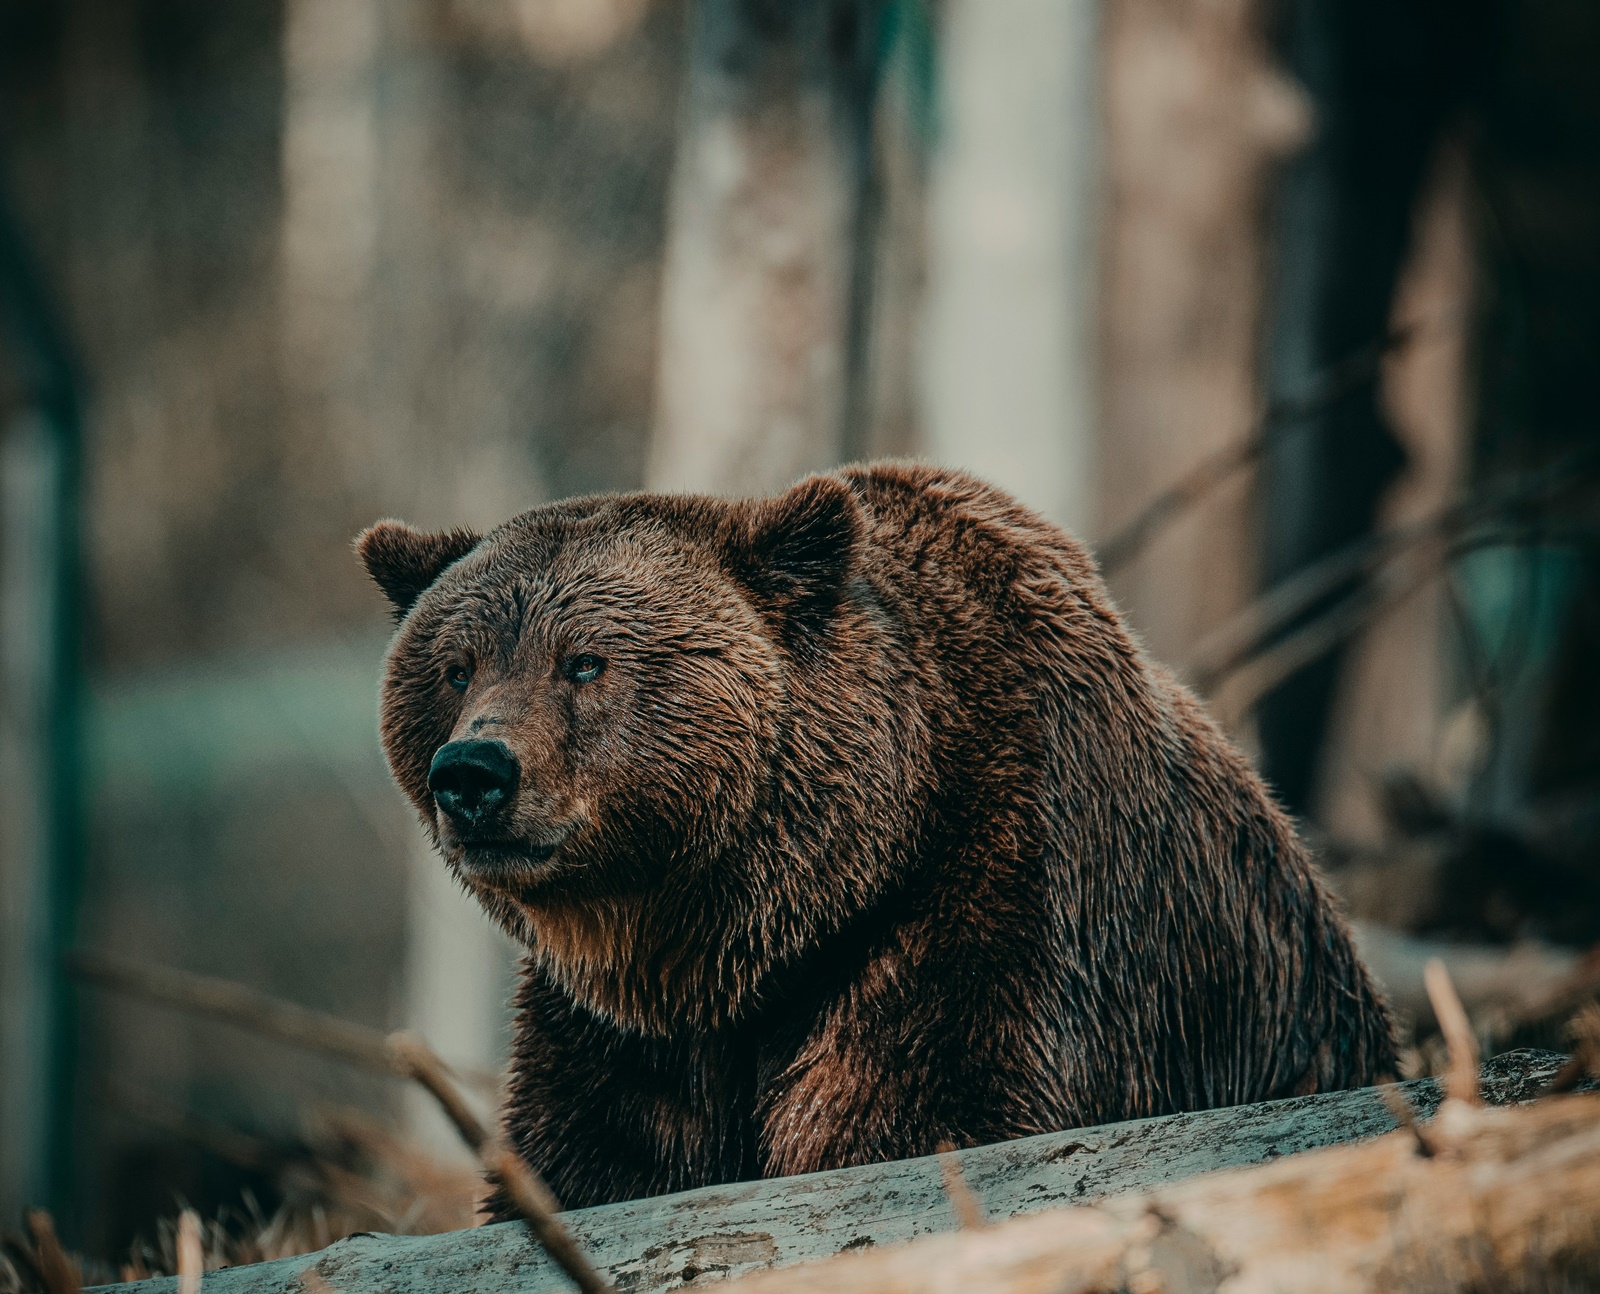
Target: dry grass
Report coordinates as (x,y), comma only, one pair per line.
(357,1175)
(342,1196)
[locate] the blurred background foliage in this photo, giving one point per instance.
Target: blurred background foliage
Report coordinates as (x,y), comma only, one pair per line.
(1291,309)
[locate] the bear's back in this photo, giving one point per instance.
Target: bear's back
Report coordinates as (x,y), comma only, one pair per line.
(1188,910)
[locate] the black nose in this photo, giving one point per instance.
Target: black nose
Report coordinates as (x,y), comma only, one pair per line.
(473,781)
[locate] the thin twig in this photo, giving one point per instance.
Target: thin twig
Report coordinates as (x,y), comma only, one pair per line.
(1279,418)
(239,1005)
(963,1203)
(402,1054)
(57,1272)
(1404,1114)
(191,1253)
(410,1056)
(1230,646)
(1210,472)
(248,1008)
(1462,1081)
(525,1189)
(533,1199)
(1252,679)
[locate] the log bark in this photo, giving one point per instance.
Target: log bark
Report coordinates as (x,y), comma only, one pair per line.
(1511,1202)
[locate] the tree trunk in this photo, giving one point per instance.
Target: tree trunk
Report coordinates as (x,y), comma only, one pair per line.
(756,336)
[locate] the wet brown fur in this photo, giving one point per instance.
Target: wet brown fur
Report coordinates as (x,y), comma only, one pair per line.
(878,830)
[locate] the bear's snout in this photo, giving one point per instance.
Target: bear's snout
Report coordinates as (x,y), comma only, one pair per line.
(473,782)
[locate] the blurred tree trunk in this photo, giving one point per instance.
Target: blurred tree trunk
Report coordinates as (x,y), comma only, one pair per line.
(1195,114)
(40,737)
(329,234)
(1008,359)
(761,314)
(1377,75)
(1389,709)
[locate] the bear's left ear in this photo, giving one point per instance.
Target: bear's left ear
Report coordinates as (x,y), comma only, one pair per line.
(403,562)
(796,552)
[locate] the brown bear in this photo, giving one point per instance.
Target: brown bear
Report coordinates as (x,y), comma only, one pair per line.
(841,824)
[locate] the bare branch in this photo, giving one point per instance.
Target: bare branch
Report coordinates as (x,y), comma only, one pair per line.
(57,1272)
(538,1207)
(412,1057)
(1236,646)
(239,1005)
(402,1054)
(1462,1083)
(963,1203)
(251,1009)
(1281,417)
(1395,1099)
(526,1189)
(191,1253)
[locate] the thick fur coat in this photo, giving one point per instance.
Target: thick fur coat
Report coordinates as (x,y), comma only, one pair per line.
(846,823)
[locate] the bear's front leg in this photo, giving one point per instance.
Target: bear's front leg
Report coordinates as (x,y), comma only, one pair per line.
(908,1058)
(607,1114)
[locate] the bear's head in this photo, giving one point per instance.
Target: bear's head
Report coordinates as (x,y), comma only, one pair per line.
(599,710)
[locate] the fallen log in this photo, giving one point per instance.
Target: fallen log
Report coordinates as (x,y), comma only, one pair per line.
(1503,989)
(1509,1201)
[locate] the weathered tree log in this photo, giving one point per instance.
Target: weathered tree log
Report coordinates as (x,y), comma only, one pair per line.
(1511,1201)
(1502,989)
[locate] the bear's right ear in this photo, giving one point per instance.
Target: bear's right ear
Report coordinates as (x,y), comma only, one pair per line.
(797,551)
(404,562)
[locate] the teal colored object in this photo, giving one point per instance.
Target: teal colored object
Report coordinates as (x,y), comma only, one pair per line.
(1517,599)
(908,35)
(173,734)
(52,396)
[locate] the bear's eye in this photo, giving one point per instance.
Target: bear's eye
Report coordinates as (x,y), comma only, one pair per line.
(584,668)
(458,676)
